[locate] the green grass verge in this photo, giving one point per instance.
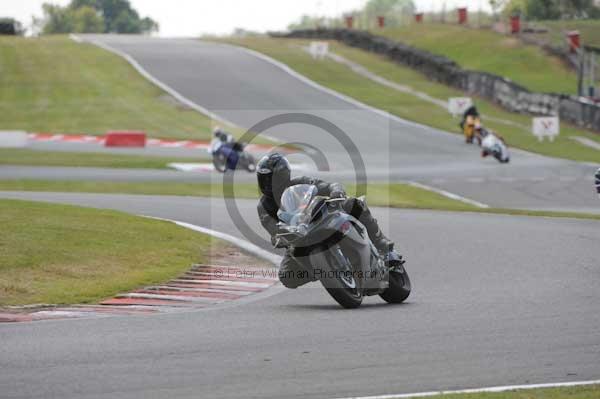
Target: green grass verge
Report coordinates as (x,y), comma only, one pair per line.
(486,50)
(588,29)
(63,254)
(53,84)
(88,159)
(395,195)
(340,78)
(578,392)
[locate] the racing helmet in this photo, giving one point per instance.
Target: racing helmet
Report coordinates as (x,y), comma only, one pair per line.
(273,173)
(219,133)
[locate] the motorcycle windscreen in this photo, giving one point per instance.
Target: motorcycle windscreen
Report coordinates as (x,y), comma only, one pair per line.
(294,202)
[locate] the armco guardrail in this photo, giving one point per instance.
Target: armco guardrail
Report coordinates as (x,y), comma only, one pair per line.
(502,91)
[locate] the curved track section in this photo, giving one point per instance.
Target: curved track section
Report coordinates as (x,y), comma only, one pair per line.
(244,88)
(523,312)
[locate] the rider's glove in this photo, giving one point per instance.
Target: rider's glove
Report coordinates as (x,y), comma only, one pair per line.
(337,194)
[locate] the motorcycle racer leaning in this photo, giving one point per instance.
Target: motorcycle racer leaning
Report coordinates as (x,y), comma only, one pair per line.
(220,137)
(597,181)
(274,176)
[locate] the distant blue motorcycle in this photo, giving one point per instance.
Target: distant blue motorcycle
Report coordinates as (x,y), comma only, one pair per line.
(231,156)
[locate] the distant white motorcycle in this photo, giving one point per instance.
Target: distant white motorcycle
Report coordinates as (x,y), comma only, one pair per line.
(496,147)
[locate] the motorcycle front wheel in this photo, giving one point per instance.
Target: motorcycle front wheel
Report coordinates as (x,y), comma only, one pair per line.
(339,280)
(399,288)
(220,162)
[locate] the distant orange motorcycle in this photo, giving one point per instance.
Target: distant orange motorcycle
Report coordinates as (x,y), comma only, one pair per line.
(469,123)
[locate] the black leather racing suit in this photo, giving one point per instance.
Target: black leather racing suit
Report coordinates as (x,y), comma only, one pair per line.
(291,273)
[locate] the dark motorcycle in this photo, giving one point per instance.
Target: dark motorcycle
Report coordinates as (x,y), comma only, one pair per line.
(335,248)
(232,156)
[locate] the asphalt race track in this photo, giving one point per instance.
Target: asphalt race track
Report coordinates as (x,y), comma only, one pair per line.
(497,300)
(481,314)
(245,89)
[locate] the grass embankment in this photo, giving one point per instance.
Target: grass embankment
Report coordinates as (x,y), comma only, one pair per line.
(396,195)
(516,129)
(486,50)
(63,254)
(577,392)
(588,29)
(52,84)
(100,160)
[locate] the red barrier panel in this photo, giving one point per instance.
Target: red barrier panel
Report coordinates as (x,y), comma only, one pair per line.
(349,21)
(515,24)
(462,15)
(574,42)
(125,139)
(419,17)
(381,21)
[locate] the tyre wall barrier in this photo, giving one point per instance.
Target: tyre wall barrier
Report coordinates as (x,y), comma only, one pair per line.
(498,89)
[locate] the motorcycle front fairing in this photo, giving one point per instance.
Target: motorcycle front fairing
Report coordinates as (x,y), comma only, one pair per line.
(313,225)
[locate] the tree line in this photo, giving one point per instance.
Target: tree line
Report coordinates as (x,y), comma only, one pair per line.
(93,16)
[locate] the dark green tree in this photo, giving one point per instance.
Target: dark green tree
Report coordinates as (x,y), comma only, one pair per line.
(57,19)
(87,20)
(561,9)
(10,26)
(117,16)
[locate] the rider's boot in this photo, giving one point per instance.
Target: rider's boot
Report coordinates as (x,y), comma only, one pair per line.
(360,210)
(381,242)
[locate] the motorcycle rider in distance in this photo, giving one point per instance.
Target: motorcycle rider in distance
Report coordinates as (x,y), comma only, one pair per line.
(220,137)
(480,132)
(274,176)
(469,121)
(597,181)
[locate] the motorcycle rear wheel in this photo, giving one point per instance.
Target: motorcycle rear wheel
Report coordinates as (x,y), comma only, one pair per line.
(344,289)
(250,163)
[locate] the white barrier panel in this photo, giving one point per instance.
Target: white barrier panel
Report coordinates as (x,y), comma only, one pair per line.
(548,126)
(458,105)
(13,139)
(319,50)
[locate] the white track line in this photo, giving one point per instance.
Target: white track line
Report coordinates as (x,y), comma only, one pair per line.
(293,73)
(363,71)
(334,93)
(448,194)
(207,290)
(246,245)
(180,97)
(228,283)
(479,390)
(137,295)
(586,142)
(152,79)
